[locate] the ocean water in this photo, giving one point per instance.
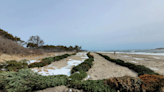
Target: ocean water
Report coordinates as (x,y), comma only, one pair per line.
(144,52)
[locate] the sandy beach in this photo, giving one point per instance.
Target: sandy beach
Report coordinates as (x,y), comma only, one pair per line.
(154,62)
(102,68)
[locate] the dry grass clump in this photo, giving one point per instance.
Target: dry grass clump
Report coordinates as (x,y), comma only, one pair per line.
(152,83)
(10,47)
(125,84)
(145,83)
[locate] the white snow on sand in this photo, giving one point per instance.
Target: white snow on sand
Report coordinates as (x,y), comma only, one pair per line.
(138,58)
(154,69)
(125,56)
(32,61)
(133,61)
(157,57)
(87,77)
(3,69)
(64,70)
(82,54)
(52,66)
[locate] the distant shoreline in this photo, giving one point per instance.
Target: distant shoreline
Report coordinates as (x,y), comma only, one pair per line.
(142,53)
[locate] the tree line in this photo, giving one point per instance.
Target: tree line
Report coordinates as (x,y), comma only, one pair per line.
(35,42)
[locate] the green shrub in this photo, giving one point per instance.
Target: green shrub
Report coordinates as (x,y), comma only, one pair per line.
(120,62)
(143,70)
(26,80)
(85,66)
(65,55)
(91,86)
(129,65)
(16,81)
(74,54)
(78,76)
(90,56)
(88,62)
(36,64)
(47,61)
(13,65)
(57,58)
(43,82)
(106,57)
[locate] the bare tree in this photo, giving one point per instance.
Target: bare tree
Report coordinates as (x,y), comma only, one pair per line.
(77,48)
(36,40)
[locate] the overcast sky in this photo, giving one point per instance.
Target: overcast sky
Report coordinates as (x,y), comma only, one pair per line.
(92,24)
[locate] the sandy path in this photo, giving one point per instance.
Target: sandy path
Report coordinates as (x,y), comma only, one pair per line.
(103,69)
(153,62)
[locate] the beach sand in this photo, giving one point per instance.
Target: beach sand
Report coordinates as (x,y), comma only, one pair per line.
(101,69)
(154,62)
(104,69)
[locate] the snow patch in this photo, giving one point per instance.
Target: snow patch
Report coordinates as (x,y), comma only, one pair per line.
(157,57)
(3,69)
(133,61)
(32,61)
(154,69)
(138,58)
(64,70)
(87,77)
(125,56)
